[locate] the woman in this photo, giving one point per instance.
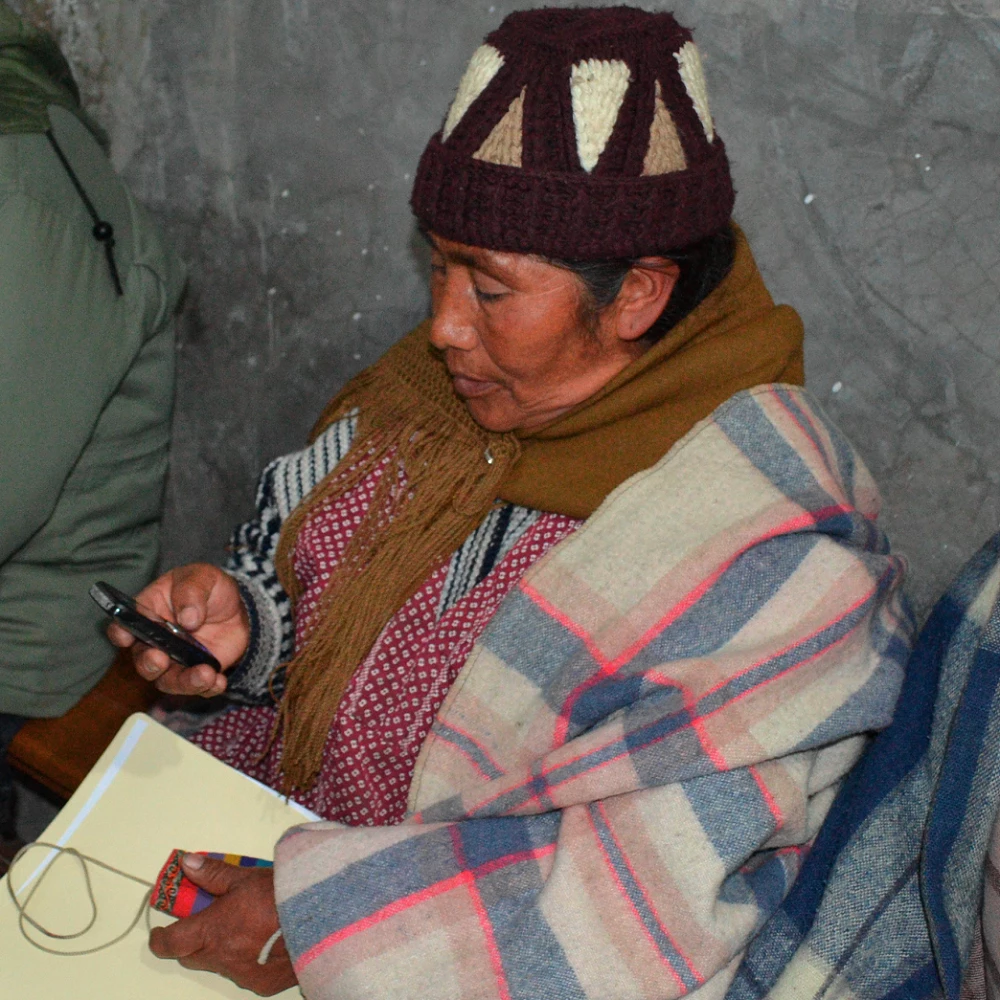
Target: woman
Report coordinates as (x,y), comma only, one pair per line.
(593,773)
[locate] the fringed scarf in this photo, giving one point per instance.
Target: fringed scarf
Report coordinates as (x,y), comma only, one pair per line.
(442,473)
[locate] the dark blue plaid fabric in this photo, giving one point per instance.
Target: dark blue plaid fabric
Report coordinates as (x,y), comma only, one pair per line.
(885,906)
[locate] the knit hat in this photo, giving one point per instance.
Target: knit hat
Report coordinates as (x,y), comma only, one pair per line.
(582,134)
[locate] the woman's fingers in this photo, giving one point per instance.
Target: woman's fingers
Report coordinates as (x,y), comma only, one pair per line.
(205,601)
(150,662)
(211,874)
(204,594)
(119,636)
(226,937)
(173,678)
(179,940)
(201,680)
(155,597)
(192,593)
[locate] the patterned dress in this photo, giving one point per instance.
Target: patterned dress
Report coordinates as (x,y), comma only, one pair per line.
(394,696)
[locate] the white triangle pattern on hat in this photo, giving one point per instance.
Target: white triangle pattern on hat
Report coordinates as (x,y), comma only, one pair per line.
(598,88)
(689,61)
(485,63)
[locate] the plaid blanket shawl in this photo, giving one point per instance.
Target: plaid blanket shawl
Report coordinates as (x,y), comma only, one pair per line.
(887,903)
(620,787)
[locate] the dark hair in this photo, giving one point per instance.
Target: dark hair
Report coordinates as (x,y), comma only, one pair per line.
(702,265)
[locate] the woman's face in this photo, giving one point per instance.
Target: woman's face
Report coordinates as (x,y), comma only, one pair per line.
(515,336)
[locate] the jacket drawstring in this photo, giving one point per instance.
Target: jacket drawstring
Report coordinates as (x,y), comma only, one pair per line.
(103,231)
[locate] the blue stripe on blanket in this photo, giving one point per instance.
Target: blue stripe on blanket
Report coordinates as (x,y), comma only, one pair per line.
(843,453)
(643,742)
(642,906)
(859,710)
(770,882)
(856,715)
(508,882)
(923,983)
(642,747)
(731,603)
(468,748)
(504,837)
(805,420)
(763,884)
(887,899)
(799,654)
(534,964)
(617,692)
(965,800)
(748,427)
(525,636)
(722,613)
(733,838)
(365,887)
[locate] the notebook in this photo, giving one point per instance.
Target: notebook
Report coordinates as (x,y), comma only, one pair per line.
(151,791)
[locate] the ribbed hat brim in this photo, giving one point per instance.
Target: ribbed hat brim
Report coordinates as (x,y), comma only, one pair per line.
(577,217)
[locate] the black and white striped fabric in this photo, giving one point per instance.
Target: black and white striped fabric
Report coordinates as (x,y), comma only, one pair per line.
(283,485)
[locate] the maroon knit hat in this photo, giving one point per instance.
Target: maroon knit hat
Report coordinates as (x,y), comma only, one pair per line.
(581,134)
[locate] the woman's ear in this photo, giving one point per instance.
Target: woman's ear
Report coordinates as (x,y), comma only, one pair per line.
(643,297)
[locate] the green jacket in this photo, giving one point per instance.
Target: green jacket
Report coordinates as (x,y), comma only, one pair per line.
(86,384)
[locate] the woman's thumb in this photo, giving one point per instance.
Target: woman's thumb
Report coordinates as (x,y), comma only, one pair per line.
(210,874)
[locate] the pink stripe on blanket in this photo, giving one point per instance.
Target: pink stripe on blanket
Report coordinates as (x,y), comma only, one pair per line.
(769,799)
(696,721)
(442,734)
(810,438)
(462,878)
(379,916)
(484,918)
(608,667)
(616,878)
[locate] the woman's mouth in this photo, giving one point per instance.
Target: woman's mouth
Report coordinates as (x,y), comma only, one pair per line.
(469,388)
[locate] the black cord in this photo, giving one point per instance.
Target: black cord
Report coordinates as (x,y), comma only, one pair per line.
(103,231)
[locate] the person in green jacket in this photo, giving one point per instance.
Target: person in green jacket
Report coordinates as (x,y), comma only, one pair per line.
(88,287)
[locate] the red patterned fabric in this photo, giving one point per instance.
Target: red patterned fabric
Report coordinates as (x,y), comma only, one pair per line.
(391,702)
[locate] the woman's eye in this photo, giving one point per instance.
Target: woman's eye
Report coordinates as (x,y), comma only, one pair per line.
(485,296)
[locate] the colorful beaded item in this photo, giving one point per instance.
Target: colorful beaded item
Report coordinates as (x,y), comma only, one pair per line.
(176,894)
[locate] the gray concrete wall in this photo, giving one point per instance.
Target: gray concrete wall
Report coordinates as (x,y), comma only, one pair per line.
(276,139)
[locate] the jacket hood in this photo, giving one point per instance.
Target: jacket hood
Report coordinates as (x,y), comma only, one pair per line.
(34,75)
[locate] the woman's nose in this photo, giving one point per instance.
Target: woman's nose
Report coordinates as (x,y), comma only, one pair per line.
(451,320)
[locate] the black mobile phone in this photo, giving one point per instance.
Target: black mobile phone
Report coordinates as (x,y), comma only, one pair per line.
(149,628)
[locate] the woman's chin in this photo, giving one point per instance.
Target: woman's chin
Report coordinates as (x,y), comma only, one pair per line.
(491,414)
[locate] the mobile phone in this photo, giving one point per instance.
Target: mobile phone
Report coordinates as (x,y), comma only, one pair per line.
(177,643)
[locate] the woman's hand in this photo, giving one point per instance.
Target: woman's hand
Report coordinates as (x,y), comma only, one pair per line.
(206,602)
(227,936)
